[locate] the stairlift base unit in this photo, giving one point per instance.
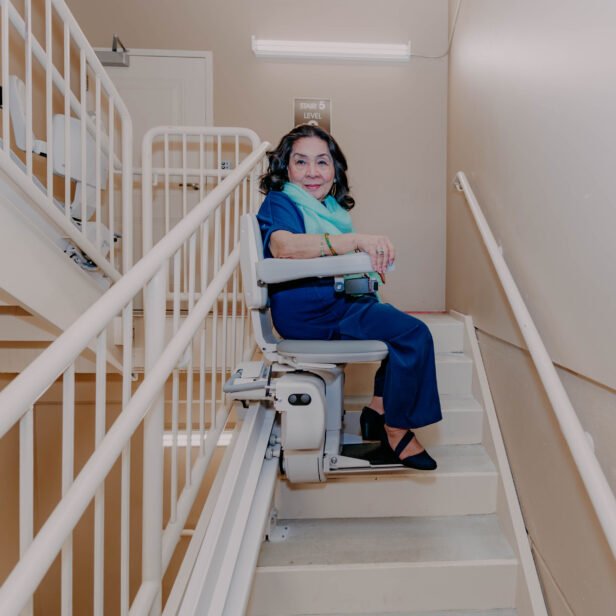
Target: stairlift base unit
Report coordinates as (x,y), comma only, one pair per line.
(309,435)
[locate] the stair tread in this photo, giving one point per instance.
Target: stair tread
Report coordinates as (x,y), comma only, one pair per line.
(456,459)
(460,459)
(496,612)
(342,541)
(453,357)
(449,402)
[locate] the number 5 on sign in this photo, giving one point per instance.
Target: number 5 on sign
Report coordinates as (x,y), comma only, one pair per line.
(314,111)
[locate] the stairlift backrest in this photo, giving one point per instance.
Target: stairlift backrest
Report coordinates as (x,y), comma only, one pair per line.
(59,163)
(17,104)
(251,253)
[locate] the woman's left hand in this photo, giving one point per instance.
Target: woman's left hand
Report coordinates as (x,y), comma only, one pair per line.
(381,250)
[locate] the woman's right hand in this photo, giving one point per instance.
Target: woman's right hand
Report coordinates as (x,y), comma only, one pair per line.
(379,247)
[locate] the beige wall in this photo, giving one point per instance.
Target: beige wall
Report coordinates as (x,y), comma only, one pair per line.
(532,105)
(389,118)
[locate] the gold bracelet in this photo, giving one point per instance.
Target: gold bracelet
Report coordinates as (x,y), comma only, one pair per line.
(329,244)
(322,246)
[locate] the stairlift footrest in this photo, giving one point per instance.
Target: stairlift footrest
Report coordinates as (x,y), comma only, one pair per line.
(249,382)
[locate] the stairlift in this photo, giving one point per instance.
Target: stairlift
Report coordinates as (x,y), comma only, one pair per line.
(303,379)
(88,179)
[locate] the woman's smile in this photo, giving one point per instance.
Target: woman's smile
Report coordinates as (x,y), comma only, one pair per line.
(311,167)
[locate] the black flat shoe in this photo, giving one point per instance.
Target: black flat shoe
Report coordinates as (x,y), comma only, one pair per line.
(422,461)
(371,424)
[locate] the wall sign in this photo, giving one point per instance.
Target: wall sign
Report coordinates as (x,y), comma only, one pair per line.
(315,111)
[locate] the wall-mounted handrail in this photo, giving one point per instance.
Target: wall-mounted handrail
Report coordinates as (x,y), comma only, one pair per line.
(592,475)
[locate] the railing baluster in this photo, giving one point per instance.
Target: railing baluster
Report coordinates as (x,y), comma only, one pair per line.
(167,203)
(67,126)
(97,159)
(99,498)
(6,115)
(26,488)
(202,359)
(236,240)
(48,99)
(125,533)
(111,180)
(217,248)
(175,389)
(84,112)
(68,448)
(127,340)
(153,430)
(28,41)
(184,212)
(192,266)
(205,248)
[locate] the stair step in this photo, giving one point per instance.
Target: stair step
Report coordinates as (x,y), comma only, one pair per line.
(447,332)
(465,482)
(462,421)
(453,373)
(376,565)
(503,612)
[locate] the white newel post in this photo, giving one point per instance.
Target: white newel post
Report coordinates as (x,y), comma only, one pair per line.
(153,426)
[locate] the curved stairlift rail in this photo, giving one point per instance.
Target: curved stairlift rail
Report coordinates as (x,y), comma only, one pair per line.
(18,398)
(592,475)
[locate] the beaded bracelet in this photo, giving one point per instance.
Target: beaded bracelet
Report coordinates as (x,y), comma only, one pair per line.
(322,245)
(329,244)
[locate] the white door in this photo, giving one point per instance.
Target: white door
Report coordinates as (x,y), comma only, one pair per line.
(162,87)
(165,87)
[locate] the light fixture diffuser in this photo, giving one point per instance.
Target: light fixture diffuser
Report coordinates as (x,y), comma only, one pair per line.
(324,50)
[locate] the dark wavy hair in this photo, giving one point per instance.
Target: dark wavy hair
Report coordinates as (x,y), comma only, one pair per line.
(277,175)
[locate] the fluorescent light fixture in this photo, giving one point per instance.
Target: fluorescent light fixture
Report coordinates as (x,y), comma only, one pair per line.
(322,50)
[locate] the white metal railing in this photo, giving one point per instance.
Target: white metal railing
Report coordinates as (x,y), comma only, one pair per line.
(180,166)
(204,358)
(592,475)
(87,137)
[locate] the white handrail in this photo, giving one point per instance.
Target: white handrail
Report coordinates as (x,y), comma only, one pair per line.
(33,381)
(592,475)
(45,369)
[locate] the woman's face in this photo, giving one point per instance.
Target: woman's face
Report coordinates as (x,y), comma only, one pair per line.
(311,166)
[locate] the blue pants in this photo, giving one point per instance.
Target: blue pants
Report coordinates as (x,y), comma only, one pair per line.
(407,377)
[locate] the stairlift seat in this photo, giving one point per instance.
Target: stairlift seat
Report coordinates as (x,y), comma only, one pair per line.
(332,351)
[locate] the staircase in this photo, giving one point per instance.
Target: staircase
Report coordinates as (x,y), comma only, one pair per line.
(447,543)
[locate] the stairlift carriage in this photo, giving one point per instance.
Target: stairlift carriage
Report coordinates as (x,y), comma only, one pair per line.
(304,379)
(76,174)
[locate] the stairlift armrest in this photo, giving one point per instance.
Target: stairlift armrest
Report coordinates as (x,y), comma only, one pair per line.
(271,271)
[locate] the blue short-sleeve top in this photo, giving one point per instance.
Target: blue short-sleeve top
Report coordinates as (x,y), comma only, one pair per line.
(306,308)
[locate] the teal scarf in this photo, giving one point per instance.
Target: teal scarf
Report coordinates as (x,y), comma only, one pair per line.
(327,217)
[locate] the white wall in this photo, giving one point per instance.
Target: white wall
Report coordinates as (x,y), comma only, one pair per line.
(531,116)
(390,119)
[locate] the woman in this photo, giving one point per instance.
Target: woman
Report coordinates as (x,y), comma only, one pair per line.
(306,214)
